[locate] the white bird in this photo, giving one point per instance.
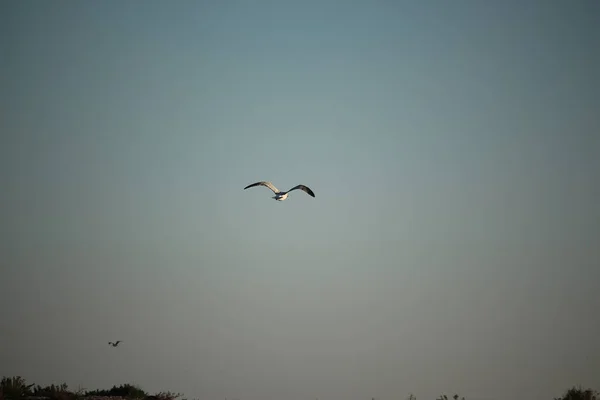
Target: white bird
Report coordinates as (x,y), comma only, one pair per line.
(279,195)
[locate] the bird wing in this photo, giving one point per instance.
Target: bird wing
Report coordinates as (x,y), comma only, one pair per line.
(118,341)
(303,188)
(267,184)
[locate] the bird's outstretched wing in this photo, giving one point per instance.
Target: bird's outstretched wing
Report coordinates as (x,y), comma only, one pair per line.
(267,184)
(303,188)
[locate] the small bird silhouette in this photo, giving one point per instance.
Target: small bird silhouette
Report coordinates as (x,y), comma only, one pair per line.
(115,344)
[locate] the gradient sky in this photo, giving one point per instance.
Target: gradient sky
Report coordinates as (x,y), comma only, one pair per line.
(453,244)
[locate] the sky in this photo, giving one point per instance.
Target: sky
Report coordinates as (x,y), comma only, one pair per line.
(452,246)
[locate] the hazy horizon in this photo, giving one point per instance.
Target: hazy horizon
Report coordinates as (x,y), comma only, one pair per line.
(452,246)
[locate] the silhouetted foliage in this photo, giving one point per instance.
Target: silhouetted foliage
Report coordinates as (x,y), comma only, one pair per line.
(57,392)
(444,397)
(579,394)
(166,396)
(16,388)
(125,390)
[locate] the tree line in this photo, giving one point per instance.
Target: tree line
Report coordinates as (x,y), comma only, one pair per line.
(16,388)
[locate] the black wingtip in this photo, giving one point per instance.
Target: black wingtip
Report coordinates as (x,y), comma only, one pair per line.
(252,185)
(309,191)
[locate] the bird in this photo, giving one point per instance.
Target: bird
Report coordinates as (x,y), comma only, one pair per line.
(279,195)
(115,344)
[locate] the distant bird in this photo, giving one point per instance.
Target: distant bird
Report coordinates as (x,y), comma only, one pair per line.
(115,344)
(280,196)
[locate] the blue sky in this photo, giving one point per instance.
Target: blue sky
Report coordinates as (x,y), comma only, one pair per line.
(453,148)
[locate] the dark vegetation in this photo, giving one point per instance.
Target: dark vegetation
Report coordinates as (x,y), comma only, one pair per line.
(16,388)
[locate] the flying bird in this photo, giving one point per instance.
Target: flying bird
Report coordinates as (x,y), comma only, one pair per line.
(279,195)
(115,344)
